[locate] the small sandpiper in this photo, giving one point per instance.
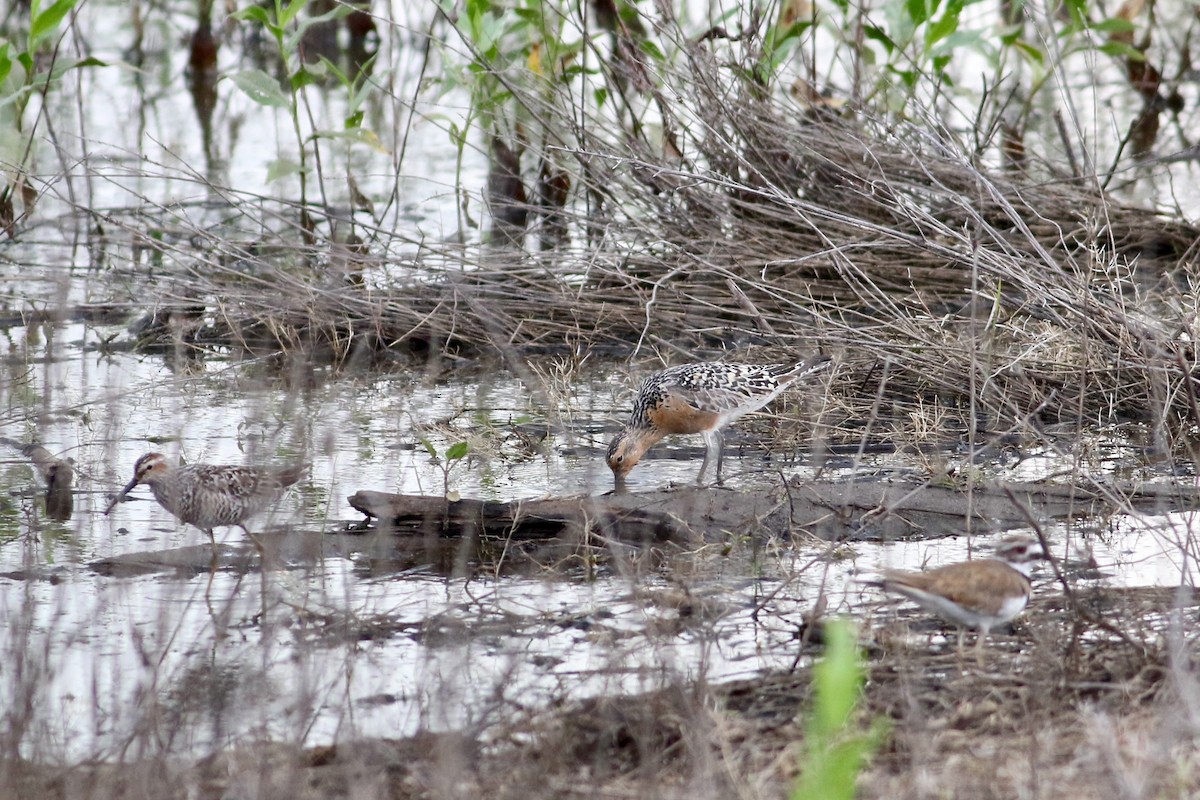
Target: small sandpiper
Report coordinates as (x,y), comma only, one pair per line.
(979,594)
(700,398)
(208,496)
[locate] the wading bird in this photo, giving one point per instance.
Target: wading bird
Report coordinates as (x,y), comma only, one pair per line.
(699,398)
(209,496)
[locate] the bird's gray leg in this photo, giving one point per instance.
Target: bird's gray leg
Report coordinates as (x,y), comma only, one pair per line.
(258,545)
(707,435)
(212,611)
(262,573)
(720,440)
(714,442)
(212,573)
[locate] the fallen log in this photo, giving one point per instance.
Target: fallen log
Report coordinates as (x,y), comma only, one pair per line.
(571,518)
(857,509)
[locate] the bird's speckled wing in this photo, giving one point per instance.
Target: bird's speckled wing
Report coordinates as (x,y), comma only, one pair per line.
(720,388)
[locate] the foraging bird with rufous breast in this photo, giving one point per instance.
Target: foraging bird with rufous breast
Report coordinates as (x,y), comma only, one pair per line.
(209,496)
(700,398)
(981,593)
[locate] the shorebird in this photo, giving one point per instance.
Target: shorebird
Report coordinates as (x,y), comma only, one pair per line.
(699,398)
(209,496)
(979,594)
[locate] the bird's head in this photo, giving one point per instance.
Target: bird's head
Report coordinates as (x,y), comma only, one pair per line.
(148,469)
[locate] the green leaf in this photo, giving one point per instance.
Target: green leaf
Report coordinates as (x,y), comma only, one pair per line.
(1078,10)
(254,13)
(457,451)
(330,68)
(838,678)
(575,70)
(293,40)
(1032,53)
(477,8)
(428,445)
(1010,34)
(651,49)
(6,63)
(305,76)
(1122,50)
(1114,25)
(628,12)
(317,69)
(45,23)
(972,39)
(518,24)
(920,10)
(940,29)
(835,748)
(908,76)
(777,37)
(356,135)
(261,88)
(832,773)
(600,95)
(289,11)
(64,66)
(281,168)
(877,34)
(90,61)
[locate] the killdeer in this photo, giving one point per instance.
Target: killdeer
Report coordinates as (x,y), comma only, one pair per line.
(209,496)
(979,594)
(699,398)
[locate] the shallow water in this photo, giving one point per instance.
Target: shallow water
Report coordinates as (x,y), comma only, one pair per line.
(188,662)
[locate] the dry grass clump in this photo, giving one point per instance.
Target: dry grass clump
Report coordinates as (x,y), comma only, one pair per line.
(1008,298)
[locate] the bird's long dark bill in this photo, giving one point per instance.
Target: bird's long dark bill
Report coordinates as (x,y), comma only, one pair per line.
(128,488)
